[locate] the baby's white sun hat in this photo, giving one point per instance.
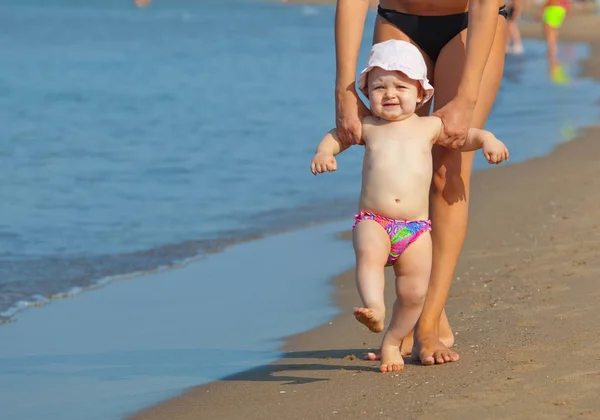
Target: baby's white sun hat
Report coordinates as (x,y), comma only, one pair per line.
(396,55)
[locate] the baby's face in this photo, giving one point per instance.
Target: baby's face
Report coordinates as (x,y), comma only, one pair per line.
(392,95)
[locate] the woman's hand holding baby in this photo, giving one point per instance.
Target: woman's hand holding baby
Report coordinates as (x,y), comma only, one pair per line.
(349,112)
(323,162)
(456,118)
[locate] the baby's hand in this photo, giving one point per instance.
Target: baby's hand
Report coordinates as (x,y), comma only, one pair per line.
(494,150)
(323,162)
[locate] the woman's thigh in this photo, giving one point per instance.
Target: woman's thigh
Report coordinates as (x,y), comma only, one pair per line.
(447,74)
(449,67)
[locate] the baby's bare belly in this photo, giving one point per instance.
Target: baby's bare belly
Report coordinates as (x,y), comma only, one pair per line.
(396,203)
(396,178)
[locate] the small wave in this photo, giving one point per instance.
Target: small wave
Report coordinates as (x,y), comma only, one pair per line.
(34,301)
(309,11)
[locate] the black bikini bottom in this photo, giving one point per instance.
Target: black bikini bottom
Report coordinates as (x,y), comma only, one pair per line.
(430,33)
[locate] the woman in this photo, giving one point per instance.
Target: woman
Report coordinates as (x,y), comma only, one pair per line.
(465,67)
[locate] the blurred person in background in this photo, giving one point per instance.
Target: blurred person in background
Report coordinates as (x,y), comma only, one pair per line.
(514,45)
(553,14)
(142,3)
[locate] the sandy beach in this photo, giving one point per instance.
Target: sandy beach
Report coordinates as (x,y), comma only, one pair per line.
(523,306)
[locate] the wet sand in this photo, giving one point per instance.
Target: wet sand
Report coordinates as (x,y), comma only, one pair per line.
(524,307)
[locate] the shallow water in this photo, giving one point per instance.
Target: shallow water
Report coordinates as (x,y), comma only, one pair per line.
(118,349)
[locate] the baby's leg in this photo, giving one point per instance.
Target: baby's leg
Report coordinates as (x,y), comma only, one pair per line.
(372,248)
(412,271)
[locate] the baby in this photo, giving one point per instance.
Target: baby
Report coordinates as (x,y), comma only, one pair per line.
(392,226)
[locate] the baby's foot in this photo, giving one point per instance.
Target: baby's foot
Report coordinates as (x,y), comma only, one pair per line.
(391,359)
(372,320)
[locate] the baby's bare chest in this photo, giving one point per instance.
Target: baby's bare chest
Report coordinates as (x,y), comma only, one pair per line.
(398,150)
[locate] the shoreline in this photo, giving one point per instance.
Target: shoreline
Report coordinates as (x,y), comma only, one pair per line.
(11,315)
(485,375)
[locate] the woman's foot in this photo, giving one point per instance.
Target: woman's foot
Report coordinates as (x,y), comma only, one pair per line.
(371,319)
(391,359)
(430,350)
(446,337)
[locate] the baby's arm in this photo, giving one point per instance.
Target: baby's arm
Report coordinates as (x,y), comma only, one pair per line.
(493,149)
(324,159)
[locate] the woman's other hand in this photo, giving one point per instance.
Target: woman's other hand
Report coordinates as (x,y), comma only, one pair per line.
(350,111)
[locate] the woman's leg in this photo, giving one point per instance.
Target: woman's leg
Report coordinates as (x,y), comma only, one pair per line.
(450,190)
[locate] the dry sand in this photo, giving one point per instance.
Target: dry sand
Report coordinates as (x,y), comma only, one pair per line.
(524,307)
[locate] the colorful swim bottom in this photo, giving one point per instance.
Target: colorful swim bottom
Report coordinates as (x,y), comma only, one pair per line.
(402,233)
(554,16)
